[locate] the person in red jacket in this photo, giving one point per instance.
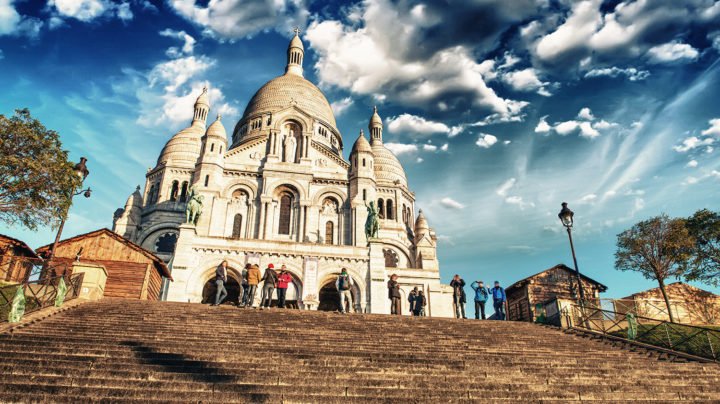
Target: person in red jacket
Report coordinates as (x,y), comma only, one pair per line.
(283,281)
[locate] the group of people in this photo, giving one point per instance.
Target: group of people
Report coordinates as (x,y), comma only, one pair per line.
(416,298)
(482,295)
(251,278)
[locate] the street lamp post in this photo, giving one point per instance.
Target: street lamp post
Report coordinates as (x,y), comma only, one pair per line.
(566,218)
(81,171)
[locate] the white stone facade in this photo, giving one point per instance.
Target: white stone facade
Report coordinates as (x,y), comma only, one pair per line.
(282,193)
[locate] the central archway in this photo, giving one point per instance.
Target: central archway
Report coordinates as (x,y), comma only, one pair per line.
(210,289)
(330,298)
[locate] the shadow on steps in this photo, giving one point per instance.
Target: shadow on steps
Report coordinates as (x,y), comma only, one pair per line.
(200,371)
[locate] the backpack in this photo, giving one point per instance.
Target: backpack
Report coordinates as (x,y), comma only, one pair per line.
(344,283)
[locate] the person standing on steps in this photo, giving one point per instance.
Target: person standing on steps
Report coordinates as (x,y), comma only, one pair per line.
(413,301)
(499,298)
(269,283)
(344,284)
(253,278)
(394,295)
(423,303)
(458,285)
(481,296)
(242,298)
(220,279)
(283,281)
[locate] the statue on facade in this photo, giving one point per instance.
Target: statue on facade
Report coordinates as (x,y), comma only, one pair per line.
(194,207)
(372,225)
(290,147)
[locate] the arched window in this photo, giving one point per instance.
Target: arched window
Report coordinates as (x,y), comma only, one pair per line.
(151,194)
(184,191)
(381,208)
(166,243)
(237,226)
(174,191)
(364,194)
(363,162)
(404,214)
(285,212)
(390,211)
(207,180)
(329,232)
(212,147)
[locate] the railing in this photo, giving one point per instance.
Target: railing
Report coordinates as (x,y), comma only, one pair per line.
(17,300)
(698,341)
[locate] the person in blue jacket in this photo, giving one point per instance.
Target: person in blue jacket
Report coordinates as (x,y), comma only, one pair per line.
(481,296)
(498,295)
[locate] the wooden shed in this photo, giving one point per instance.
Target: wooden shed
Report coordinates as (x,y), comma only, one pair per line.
(133,272)
(16,260)
(558,282)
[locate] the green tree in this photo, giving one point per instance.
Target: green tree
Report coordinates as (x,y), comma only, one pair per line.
(704,226)
(658,248)
(36,178)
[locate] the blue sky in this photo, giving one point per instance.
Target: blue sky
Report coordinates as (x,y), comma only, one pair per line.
(498,110)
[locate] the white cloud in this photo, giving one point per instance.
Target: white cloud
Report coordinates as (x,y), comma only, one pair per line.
(575,32)
(692,142)
(177,72)
(401,148)
(526,80)
(691,180)
(88,10)
(586,114)
(444,147)
(451,203)
(507,142)
(542,126)
(630,73)
(339,107)
(506,187)
(238,18)
(419,160)
(373,58)
(692,164)
(714,128)
(429,147)
(566,128)
(603,124)
(188,42)
(672,52)
(413,124)
(486,140)
(519,202)
(588,199)
(12,23)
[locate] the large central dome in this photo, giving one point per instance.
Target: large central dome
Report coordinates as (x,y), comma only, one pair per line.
(291,89)
(283,91)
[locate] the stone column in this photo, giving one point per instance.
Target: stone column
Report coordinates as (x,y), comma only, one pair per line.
(379,303)
(93,285)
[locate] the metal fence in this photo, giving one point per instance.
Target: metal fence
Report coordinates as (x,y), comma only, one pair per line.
(38,294)
(694,340)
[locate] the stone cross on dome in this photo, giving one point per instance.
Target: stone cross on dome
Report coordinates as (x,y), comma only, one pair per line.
(296,31)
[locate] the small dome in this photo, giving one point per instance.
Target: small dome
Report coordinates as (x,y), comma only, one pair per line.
(296,42)
(134,200)
(361,145)
(375,119)
(203,98)
(387,167)
(421,224)
(184,147)
(290,89)
(216,129)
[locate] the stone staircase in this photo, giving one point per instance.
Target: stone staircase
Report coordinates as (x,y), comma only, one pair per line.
(137,351)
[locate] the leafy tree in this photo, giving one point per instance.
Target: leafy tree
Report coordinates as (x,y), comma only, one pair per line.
(658,248)
(36,178)
(704,226)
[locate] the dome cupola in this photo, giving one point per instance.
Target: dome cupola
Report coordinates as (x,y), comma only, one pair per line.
(183,148)
(375,126)
(295,54)
(361,145)
(421,226)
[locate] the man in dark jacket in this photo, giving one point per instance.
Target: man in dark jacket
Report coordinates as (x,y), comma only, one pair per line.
(423,302)
(413,300)
(481,296)
(394,295)
(458,285)
(220,279)
(499,298)
(344,284)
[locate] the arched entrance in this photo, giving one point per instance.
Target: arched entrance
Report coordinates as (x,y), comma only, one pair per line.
(232,286)
(330,298)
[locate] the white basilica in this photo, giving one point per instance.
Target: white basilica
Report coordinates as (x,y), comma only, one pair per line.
(281,192)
